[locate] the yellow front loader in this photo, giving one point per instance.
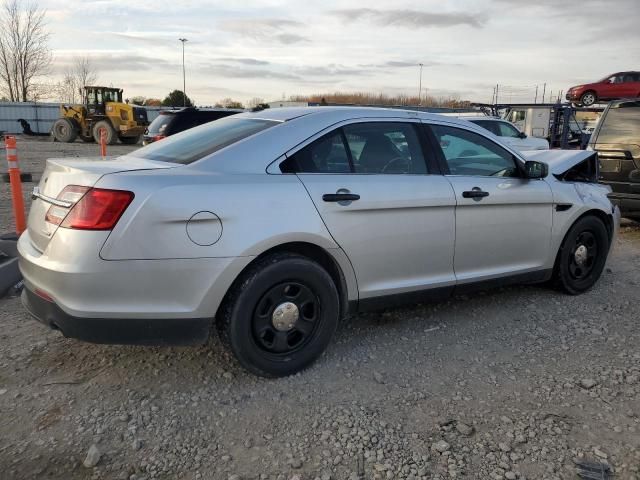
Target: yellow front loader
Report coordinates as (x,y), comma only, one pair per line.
(103,110)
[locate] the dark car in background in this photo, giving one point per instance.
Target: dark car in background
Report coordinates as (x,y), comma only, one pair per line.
(617,141)
(613,87)
(170,122)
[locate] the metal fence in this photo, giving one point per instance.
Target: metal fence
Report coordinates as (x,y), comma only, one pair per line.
(40,116)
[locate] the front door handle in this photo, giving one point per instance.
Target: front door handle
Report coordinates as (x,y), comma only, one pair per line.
(475,193)
(340,197)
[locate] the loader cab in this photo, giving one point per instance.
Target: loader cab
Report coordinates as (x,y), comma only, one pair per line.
(97,97)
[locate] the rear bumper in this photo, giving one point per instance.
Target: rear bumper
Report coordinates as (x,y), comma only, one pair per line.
(134,331)
(83,285)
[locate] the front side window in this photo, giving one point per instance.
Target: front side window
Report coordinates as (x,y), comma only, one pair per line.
(507,130)
(369,148)
(468,153)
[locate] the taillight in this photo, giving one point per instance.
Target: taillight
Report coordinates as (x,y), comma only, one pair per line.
(91,209)
(158,137)
(71,194)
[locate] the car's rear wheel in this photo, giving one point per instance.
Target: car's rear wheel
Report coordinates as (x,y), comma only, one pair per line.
(582,255)
(588,98)
(280,315)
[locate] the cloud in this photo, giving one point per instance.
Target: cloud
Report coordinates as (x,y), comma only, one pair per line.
(409,18)
(115,61)
(244,61)
(235,71)
(265,29)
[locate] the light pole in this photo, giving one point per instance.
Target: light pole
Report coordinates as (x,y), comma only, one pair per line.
(184,77)
(420,85)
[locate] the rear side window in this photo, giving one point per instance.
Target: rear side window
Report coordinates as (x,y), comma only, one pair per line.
(326,155)
(196,143)
(374,148)
(160,124)
(391,148)
(620,125)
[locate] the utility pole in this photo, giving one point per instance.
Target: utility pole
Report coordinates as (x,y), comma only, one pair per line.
(497,86)
(544,90)
(184,76)
(536,99)
(420,85)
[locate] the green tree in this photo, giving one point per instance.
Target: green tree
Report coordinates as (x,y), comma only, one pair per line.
(177,98)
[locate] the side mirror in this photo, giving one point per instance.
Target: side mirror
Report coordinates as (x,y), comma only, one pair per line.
(522,135)
(534,169)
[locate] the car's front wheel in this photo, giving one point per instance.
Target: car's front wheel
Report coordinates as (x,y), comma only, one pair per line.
(280,315)
(588,98)
(582,255)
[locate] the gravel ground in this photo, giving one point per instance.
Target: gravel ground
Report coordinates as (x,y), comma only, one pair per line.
(510,384)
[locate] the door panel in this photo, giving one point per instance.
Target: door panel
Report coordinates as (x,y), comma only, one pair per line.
(506,232)
(399,235)
(503,221)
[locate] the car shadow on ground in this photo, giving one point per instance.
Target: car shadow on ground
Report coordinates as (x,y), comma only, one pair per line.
(63,361)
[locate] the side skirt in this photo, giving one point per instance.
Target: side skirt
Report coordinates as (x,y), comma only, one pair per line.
(443,293)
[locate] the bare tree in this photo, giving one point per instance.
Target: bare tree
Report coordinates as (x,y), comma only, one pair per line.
(24,50)
(76,77)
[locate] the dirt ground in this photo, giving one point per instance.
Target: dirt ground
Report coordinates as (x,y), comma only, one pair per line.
(514,383)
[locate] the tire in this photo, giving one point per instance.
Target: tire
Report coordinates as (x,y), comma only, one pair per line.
(582,256)
(130,140)
(248,321)
(112,138)
(588,98)
(65,131)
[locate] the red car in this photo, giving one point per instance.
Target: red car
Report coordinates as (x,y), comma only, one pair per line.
(613,87)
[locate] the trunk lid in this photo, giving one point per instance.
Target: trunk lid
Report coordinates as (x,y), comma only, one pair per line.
(62,172)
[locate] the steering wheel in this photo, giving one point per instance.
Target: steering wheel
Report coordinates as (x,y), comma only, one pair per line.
(406,161)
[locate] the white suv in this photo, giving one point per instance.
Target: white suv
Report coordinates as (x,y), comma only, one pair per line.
(510,134)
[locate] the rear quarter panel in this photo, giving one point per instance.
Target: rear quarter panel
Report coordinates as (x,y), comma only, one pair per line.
(257,212)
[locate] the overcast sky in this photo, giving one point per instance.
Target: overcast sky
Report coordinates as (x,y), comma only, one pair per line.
(271,48)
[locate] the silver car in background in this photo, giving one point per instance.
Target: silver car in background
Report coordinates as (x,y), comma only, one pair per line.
(271,226)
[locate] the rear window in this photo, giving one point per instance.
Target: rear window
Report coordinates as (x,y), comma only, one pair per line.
(620,125)
(159,124)
(191,145)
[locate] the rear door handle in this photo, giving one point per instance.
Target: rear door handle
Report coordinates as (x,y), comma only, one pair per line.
(475,193)
(340,197)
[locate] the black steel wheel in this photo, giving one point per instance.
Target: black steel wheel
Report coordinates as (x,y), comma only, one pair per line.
(582,255)
(285,318)
(280,315)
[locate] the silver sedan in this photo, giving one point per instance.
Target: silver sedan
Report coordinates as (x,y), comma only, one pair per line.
(272,226)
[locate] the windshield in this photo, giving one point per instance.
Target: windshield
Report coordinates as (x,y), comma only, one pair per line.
(620,125)
(193,144)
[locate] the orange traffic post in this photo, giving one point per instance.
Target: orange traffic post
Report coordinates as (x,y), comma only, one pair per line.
(16,183)
(103,143)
